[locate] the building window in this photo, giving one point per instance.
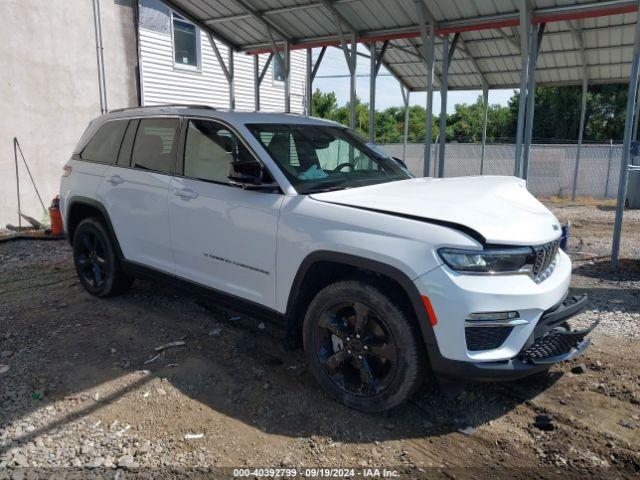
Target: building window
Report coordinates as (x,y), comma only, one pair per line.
(186,43)
(278,73)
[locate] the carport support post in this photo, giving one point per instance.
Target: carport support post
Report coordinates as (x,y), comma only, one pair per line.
(256,82)
(443,104)
(485,98)
(405,100)
(428,42)
(232,82)
(583,110)
(447,56)
(534,45)
(311,74)
(525,25)
(308,84)
(626,147)
(372,93)
(227,69)
(352,81)
(287,78)
(431,45)
(606,185)
(259,77)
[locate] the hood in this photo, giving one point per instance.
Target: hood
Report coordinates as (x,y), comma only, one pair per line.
(500,209)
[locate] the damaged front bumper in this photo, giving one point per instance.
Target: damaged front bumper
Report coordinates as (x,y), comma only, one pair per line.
(550,342)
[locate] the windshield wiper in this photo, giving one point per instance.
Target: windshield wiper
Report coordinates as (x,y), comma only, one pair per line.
(325,189)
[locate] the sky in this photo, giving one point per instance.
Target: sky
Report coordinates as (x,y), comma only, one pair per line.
(387,88)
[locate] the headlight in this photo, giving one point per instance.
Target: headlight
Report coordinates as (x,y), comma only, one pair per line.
(487,261)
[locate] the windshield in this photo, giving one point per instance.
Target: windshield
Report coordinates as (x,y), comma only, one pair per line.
(319,158)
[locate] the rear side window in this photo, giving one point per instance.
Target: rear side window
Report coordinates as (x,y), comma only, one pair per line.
(105,143)
(155,145)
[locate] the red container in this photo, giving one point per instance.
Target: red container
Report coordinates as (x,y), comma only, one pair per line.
(57,227)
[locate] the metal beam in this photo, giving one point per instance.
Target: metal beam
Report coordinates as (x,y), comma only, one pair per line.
(577,30)
(372,92)
(513,41)
(462,46)
(258,76)
(447,55)
(287,79)
(583,109)
(535,41)
(405,101)
(427,33)
(256,83)
(227,69)
(260,17)
(503,20)
(308,83)
(525,25)
(626,147)
(485,98)
(352,83)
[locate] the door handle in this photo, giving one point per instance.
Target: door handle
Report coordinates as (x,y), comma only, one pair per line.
(185,193)
(115,179)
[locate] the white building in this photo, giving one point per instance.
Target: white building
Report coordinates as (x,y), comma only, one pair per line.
(178,65)
(53,80)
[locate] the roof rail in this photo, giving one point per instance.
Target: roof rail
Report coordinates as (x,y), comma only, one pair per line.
(180,105)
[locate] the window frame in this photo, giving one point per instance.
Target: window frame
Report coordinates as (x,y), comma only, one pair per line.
(182,145)
(181,66)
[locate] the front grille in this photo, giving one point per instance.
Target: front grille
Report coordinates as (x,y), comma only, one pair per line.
(485,338)
(557,342)
(545,260)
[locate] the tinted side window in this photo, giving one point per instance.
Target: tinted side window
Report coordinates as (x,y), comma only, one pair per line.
(105,143)
(155,145)
(124,157)
(209,149)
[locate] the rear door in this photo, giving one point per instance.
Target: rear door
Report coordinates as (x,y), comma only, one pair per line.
(223,236)
(135,191)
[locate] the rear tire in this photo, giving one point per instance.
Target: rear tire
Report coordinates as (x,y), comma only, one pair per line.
(96,262)
(362,346)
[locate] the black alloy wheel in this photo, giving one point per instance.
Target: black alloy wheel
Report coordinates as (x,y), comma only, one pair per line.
(362,344)
(356,348)
(95,260)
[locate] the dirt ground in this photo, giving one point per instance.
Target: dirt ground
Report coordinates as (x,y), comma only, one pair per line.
(81,394)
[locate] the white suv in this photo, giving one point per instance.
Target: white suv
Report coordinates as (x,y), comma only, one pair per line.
(377,274)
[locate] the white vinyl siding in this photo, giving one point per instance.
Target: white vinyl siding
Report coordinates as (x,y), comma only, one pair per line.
(163,83)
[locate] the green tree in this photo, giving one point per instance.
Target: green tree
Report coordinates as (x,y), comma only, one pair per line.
(324,105)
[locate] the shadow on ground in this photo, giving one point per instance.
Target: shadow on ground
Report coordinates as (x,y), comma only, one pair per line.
(66,345)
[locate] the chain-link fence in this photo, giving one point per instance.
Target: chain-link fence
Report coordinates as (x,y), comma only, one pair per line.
(551,167)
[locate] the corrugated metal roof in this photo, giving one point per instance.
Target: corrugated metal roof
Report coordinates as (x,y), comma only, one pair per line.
(485,51)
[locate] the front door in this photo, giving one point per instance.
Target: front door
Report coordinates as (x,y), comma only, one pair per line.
(223,236)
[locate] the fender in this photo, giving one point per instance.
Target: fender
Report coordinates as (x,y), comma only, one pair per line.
(374,266)
(90,202)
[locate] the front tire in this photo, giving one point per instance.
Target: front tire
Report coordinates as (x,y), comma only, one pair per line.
(96,262)
(362,346)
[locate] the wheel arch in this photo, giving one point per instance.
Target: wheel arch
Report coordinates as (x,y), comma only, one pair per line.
(308,281)
(83,207)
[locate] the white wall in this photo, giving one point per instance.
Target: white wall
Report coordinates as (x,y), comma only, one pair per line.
(164,83)
(49,87)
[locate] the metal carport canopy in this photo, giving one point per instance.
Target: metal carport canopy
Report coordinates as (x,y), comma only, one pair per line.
(488,52)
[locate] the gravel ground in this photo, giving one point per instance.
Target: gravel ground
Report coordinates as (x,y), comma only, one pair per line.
(77,396)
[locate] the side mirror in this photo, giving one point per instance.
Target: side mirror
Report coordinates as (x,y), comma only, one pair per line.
(249,174)
(400,162)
